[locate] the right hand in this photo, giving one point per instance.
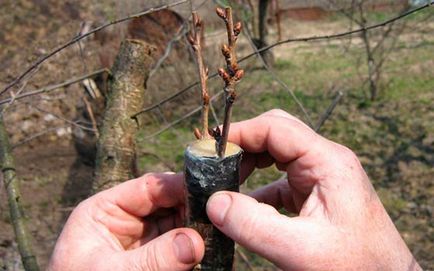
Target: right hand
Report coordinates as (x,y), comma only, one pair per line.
(340,223)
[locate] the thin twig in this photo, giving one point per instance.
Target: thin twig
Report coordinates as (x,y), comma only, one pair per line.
(92,116)
(73,123)
(343,34)
(195,41)
(244,258)
(54,87)
(329,111)
(214,114)
(283,84)
(80,37)
(34,136)
(186,116)
(271,46)
(230,76)
(179,34)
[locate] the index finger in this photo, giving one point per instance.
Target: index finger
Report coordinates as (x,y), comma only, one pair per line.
(142,196)
(283,136)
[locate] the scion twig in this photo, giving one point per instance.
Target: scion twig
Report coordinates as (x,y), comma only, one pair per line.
(195,41)
(231,75)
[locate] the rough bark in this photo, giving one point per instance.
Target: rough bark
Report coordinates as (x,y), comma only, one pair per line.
(115,160)
(12,186)
(205,174)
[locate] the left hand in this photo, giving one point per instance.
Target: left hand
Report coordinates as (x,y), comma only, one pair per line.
(130,227)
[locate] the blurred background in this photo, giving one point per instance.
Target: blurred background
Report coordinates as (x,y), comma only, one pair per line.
(343,67)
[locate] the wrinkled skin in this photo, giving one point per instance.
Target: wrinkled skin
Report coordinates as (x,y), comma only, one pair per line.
(339,222)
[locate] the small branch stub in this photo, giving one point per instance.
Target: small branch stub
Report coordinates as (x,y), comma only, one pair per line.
(205,174)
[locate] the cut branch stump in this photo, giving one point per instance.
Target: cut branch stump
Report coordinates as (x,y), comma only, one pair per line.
(116,156)
(205,174)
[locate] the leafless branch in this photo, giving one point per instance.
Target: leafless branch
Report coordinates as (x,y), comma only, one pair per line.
(283,84)
(244,258)
(73,123)
(92,116)
(329,111)
(186,116)
(231,75)
(214,114)
(302,39)
(55,86)
(34,136)
(195,42)
(12,186)
(179,34)
(80,37)
(343,34)
(160,159)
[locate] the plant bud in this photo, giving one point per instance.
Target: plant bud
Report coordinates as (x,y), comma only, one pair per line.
(234,67)
(223,74)
(226,51)
(221,13)
(197,133)
(237,28)
(196,20)
(239,74)
(191,40)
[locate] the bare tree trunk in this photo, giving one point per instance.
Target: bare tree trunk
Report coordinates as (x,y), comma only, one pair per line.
(115,160)
(371,66)
(262,40)
(12,186)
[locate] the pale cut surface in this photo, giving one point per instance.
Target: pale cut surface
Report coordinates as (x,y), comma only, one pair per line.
(206,148)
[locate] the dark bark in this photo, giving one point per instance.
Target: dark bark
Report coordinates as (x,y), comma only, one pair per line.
(12,186)
(261,40)
(115,161)
(205,174)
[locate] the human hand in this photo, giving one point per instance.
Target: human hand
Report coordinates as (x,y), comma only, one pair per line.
(341,223)
(130,227)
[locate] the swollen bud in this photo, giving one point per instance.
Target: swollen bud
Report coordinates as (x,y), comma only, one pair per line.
(197,22)
(221,13)
(237,28)
(239,74)
(226,51)
(224,75)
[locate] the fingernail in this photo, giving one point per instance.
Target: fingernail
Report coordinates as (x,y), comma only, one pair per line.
(184,249)
(217,206)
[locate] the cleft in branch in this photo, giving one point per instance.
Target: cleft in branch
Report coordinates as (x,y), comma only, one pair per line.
(194,39)
(230,75)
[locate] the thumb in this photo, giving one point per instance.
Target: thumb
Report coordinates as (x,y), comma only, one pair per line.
(259,227)
(179,249)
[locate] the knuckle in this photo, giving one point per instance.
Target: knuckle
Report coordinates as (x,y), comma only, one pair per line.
(277,113)
(348,155)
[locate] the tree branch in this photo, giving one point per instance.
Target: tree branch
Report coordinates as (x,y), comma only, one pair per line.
(82,36)
(12,186)
(230,76)
(116,154)
(271,46)
(54,87)
(195,42)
